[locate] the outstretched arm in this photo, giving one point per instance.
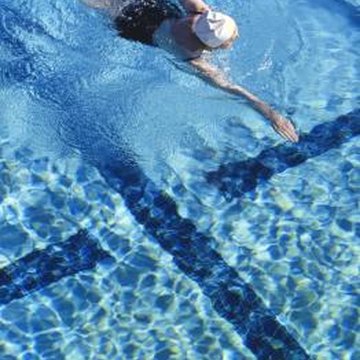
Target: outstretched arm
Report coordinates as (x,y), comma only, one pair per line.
(192,6)
(217,78)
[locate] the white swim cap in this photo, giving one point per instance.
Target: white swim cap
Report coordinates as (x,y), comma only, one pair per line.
(214,28)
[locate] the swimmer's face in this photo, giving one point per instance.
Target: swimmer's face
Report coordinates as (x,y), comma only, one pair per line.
(228,44)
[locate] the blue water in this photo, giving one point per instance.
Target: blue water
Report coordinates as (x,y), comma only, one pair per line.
(265,264)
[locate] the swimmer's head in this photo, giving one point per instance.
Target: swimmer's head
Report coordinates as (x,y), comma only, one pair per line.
(215,30)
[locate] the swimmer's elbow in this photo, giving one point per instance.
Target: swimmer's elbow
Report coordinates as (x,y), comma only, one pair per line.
(209,72)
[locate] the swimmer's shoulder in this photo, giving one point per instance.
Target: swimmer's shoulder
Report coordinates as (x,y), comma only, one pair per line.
(174,41)
(184,36)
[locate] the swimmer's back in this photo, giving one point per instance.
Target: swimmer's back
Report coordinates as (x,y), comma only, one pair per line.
(139,20)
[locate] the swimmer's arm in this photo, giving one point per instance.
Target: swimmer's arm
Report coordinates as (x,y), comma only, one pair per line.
(217,78)
(195,6)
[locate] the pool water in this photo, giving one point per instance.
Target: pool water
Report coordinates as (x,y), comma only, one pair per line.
(98,263)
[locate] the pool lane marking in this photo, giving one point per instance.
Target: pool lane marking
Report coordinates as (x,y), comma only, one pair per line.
(43,267)
(237,178)
(233,298)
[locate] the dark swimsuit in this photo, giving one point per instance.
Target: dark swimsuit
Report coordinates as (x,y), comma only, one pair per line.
(139,20)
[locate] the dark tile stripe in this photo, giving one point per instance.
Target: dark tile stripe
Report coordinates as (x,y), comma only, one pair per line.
(44,267)
(232,297)
(235,179)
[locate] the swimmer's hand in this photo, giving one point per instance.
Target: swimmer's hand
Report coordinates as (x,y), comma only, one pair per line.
(283,126)
(217,78)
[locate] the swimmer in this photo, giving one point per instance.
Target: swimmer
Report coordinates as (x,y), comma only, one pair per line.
(188,31)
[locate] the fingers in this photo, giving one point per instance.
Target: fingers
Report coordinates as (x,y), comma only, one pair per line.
(289,132)
(286,129)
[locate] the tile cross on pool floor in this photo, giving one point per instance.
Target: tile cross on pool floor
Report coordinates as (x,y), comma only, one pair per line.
(233,298)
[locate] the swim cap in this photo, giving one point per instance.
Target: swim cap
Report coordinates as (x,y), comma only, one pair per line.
(214,28)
